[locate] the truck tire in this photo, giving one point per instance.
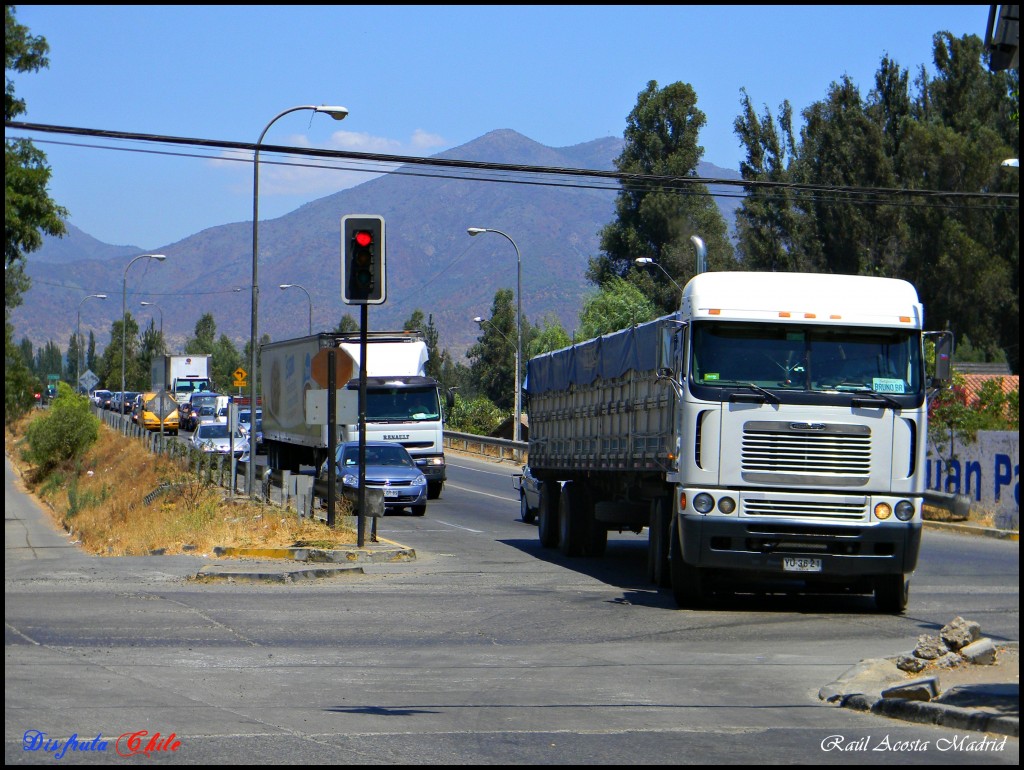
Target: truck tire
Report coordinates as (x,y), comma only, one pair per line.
(688,583)
(892,593)
(658,543)
(572,520)
(434,489)
(547,514)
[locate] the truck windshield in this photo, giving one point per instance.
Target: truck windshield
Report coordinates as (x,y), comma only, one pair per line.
(806,357)
(402,405)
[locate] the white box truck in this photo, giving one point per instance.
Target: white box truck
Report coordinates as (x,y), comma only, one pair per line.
(403,405)
(181,375)
(772,431)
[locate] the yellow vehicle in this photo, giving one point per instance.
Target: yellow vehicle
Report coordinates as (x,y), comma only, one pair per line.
(151,420)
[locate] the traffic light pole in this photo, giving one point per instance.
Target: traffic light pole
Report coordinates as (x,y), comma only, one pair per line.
(363,323)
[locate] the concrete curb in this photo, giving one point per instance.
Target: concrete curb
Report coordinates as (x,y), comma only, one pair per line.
(973,529)
(860,689)
(271,574)
(281,565)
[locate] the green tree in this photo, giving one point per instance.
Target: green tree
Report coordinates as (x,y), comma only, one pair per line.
(550,335)
(63,432)
(71,362)
(151,346)
(204,336)
(28,209)
(20,384)
(661,138)
(224,360)
(91,352)
(493,356)
(766,223)
(478,415)
(347,324)
(618,305)
(49,360)
(29,212)
(946,134)
(110,365)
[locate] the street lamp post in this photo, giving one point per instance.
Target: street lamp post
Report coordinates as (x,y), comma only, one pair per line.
(78,337)
(338,113)
(700,252)
(308,298)
(124,307)
(519,323)
(153,304)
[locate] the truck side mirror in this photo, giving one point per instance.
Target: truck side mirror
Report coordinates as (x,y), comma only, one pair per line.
(943,358)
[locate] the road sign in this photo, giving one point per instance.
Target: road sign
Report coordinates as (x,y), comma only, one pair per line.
(161,405)
(88,380)
(240,376)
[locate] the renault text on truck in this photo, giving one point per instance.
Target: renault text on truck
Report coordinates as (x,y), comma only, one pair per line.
(403,405)
(772,431)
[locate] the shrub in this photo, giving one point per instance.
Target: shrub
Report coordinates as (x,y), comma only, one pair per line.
(479,416)
(63,432)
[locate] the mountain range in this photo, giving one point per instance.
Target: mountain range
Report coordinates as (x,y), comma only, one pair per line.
(432,263)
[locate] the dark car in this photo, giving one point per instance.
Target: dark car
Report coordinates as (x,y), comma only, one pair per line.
(389,467)
(529,494)
(199,399)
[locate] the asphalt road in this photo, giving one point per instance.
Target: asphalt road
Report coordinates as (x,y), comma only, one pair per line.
(486,649)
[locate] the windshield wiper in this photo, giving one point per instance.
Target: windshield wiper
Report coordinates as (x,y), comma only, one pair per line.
(764,391)
(872,398)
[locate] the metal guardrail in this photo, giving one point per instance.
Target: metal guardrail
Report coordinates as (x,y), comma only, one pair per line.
(486,446)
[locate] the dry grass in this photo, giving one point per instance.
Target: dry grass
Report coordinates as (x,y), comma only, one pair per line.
(101,500)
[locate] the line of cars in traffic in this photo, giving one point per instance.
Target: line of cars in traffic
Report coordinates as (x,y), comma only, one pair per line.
(389,466)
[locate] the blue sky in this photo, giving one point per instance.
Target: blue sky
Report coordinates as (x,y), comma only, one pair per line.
(416,80)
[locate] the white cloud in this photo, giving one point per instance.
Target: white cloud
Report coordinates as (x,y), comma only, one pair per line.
(315,177)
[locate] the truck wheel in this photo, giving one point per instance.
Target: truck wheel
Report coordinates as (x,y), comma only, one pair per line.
(892,593)
(571,519)
(547,515)
(434,489)
(688,587)
(658,543)
(525,512)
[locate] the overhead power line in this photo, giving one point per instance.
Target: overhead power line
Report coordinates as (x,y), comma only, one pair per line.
(607,180)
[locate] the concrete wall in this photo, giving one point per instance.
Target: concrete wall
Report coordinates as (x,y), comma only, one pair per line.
(987,471)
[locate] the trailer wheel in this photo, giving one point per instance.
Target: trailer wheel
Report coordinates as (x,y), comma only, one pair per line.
(687,581)
(892,593)
(658,543)
(547,515)
(571,521)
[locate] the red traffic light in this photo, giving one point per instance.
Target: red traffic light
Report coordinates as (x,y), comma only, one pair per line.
(364,237)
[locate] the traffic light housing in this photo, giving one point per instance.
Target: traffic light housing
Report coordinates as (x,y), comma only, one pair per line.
(362,260)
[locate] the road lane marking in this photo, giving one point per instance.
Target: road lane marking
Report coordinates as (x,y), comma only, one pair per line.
(485,494)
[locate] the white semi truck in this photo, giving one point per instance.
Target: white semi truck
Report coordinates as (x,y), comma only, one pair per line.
(772,431)
(403,405)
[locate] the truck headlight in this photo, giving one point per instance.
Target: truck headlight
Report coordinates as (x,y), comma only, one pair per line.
(883,511)
(726,505)
(904,510)
(703,502)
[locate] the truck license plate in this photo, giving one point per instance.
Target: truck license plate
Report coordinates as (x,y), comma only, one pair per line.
(794,564)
